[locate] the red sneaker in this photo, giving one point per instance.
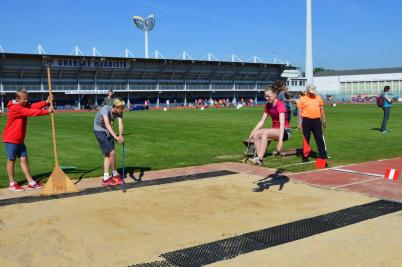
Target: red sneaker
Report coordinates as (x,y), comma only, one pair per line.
(15,187)
(35,186)
(117,179)
(108,182)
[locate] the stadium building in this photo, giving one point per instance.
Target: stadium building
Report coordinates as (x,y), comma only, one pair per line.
(357,83)
(83,80)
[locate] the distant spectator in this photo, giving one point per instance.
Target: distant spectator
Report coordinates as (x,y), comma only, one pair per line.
(284,96)
(281,88)
(387,98)
(108,101)
(288,105)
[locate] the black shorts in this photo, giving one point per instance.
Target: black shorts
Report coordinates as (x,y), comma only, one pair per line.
(286,135)
(105,140)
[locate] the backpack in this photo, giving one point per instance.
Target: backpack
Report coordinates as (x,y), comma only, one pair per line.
(380,101)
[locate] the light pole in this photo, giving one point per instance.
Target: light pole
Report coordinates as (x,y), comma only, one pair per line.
(309,44)
(145,25)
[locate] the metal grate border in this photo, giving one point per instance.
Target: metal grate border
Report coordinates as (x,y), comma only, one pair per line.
(262,239)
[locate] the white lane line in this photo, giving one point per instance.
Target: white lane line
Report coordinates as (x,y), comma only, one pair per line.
(361,182)
(377,176)
(357,172)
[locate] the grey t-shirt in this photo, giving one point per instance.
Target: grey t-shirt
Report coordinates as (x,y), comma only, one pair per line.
(108,101)
(99,123)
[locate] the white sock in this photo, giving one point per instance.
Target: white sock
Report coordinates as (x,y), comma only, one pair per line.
(115,173)
(13,183)
(105,176)
(32,183)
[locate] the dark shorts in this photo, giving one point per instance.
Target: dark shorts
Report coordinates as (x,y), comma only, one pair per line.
(15,151)
(286,135)
(105,140)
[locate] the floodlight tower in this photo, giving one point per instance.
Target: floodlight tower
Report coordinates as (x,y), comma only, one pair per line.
(309,45)
(145,25)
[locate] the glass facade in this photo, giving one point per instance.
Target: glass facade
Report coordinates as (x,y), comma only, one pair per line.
(370,87)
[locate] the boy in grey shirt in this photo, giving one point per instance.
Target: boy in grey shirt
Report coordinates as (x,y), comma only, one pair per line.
(103,129)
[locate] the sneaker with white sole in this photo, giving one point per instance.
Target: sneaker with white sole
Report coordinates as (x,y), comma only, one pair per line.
(108,182)
(117,179)
(37,185)
(255,161)
(15,187)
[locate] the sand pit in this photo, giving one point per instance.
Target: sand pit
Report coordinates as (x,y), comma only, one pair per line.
(116,229)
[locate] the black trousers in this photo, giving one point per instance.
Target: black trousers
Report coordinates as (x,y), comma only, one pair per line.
(315,126)
(387,112)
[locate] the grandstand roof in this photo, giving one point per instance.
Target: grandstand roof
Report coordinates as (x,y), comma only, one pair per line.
(66,67)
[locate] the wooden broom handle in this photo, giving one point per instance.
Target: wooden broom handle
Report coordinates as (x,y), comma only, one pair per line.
(49,82)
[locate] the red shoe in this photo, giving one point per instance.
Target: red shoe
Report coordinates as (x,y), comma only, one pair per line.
(117,179)
(35,186)
(15,187)
(108,182)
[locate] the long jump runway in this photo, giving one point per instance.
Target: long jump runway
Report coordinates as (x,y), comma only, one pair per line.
(232,217)
(365,178)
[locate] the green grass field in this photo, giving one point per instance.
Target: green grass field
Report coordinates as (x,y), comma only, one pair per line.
(176,138)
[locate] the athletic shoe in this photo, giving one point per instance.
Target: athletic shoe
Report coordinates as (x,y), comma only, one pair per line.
(384,132)
(255,161)
(108,182)
(35,186)
(117,179)
(16,187)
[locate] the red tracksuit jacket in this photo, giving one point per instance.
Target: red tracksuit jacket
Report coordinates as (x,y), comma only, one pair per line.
(16,126)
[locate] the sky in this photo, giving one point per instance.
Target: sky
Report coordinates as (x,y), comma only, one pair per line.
(347,34)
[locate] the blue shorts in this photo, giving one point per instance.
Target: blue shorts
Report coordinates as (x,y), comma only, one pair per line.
(16,151)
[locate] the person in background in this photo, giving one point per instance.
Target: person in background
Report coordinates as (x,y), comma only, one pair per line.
(108,100)
(288,105)
(281,88)
(296,109)
(387,98)
(284,96)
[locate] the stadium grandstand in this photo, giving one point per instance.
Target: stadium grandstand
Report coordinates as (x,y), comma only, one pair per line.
(78,81)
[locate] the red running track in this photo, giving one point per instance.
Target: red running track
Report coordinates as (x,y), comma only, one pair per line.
(356,182)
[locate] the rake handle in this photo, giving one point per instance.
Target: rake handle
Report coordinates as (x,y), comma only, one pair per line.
(49,82)
(123,186)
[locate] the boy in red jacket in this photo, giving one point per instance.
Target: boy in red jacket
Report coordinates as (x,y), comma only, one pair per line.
(14,134)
